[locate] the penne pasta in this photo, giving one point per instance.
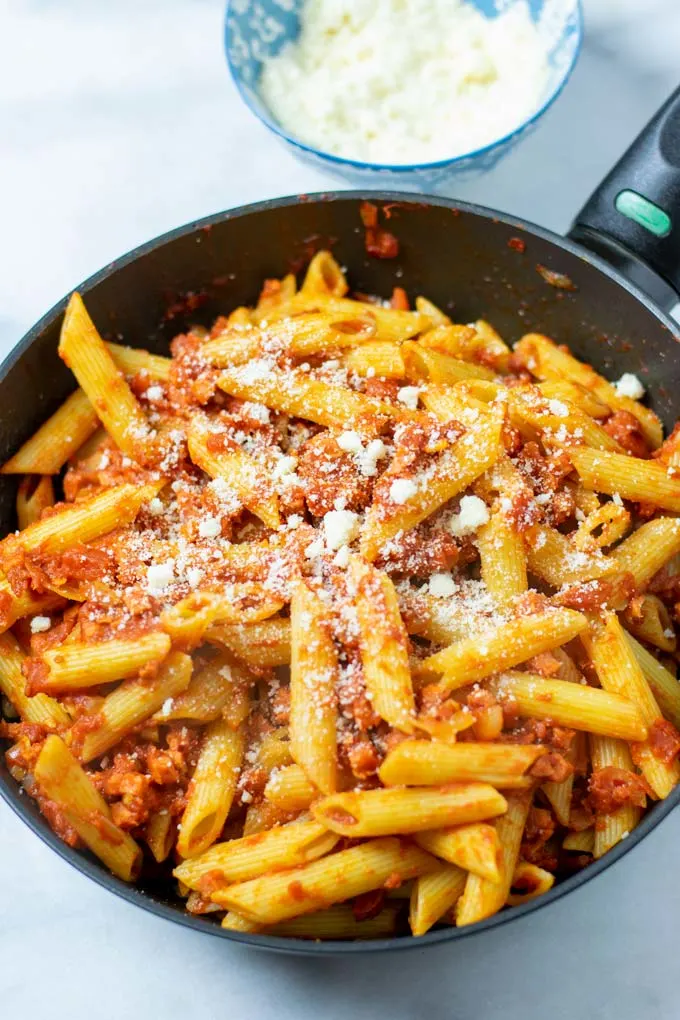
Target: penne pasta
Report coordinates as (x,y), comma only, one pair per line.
(559,794)
(383,645)
(548,361)
(433,896)
(504,561)
(13,607)
(619,673)
(611,827)
(132,360)
(160,834)
(238,860)
(212,788)
(386,812)
(314,674)
(61,778)
(289,789)
(649,620)
(377,358)
(421,762)
(554,559)
(75,665)
(80,522)
(396,507)
(473,847)
(40,709)
(55,442)
(256,644)
(321,883)
(532,880)
(431,366)
(481,898)
(627,477)
(243,474)
(569,704)
(188,620)
(580,842)
(509,645)
(220,689)
(455,469)
(297,394)
(33,496)
(664,685)
(131,703)
(88,357)
(324,276)
(644,552)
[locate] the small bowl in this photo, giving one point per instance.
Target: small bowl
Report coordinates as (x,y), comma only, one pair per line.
(256,31)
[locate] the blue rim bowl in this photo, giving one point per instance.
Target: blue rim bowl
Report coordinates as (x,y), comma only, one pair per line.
(254,32)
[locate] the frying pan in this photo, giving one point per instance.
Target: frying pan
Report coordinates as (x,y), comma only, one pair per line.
(619,273)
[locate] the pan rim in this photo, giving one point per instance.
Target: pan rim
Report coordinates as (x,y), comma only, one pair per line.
(14,797)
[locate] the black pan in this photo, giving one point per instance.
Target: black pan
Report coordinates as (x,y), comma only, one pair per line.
(473,260)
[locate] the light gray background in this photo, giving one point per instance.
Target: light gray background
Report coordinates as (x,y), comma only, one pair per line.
(117,122)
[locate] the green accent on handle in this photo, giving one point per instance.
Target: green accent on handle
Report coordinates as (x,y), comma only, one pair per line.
(641,210)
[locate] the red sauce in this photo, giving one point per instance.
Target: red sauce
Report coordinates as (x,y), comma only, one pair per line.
(664,740)
(625,428)
(611,788)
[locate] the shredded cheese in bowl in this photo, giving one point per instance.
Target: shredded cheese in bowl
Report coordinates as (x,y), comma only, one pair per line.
(393,82)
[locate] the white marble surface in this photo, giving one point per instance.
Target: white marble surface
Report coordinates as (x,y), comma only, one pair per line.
(118,121)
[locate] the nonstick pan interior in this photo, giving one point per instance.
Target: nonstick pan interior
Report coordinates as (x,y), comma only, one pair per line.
(471,261)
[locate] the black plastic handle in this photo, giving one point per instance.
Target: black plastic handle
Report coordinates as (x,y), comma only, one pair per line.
(633,217)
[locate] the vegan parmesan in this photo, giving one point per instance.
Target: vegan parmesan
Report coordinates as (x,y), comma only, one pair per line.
(630,386)
(389,82)
(471,515)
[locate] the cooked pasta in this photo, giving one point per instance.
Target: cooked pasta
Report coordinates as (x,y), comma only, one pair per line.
(351,619)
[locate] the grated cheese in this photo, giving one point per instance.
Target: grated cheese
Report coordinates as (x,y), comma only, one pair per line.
(259,412)
(155,506)
(630,386)
(350,442)
(340,527)
(39,624)
(557,408)
(194,575)
(368,460)
(442,585)
(159,576)
(284,466)
(210,527)
(450,80)
(402,489)
(408,395)
(471,515)
(341,558)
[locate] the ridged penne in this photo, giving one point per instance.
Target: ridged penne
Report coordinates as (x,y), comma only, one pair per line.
(481,898)
(61,778)
(212,788)
(88,357)
(238,860)
(314,672)
(424,762)
(133,702)
(339,876)
(508,645)
(387,812)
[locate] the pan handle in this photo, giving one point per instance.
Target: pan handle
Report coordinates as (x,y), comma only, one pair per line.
(633,218)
